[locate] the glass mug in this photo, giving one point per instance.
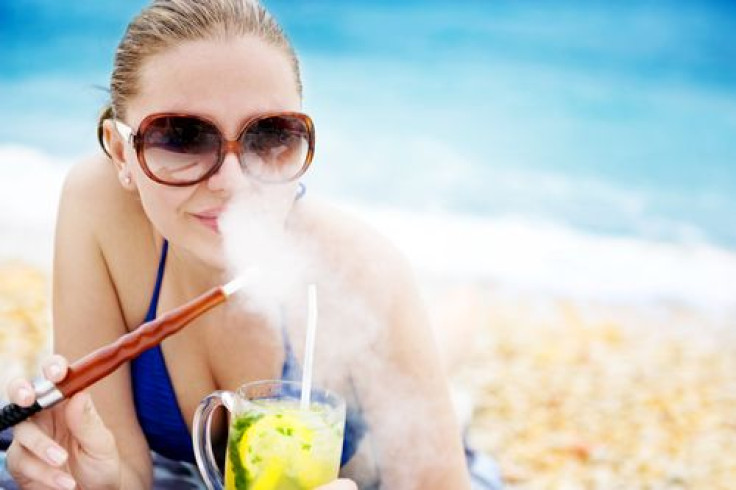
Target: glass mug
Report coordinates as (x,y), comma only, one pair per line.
(272,443)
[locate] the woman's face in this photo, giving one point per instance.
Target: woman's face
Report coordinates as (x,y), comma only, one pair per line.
(226,82)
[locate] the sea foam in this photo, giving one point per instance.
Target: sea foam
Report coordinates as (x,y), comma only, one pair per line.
(29,195)
(541,257)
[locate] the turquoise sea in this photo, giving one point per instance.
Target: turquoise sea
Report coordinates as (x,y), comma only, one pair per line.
(616,119)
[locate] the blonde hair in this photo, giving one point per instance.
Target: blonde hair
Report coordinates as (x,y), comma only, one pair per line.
(165,23)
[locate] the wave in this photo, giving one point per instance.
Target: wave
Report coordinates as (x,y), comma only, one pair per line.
(29,194)
(542,257)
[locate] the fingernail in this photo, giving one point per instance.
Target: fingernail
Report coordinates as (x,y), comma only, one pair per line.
(66,482)
(53,371)
(56,455)
(24,394)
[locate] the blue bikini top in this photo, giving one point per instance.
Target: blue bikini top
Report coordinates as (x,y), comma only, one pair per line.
(158,411)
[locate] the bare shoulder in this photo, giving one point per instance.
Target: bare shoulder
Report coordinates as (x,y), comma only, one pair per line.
(371,261)
(92,185)
(103,238)
(93,203)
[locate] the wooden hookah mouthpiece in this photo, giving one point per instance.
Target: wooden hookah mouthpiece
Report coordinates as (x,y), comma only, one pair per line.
(103,361)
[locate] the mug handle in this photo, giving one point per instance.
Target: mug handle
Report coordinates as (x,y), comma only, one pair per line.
(201,436)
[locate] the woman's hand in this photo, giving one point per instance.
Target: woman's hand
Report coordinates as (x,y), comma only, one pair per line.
(341,484)
(62,447)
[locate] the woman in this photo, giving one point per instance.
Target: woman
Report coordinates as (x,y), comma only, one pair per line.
(215,79)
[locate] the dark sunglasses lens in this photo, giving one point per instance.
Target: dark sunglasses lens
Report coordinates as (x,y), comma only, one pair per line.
(276,148)
(179,149)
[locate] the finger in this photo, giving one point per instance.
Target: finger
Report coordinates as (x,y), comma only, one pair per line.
(20,392)
(24,466)
(340,484)
(55,368)
(87,427)
(38,443)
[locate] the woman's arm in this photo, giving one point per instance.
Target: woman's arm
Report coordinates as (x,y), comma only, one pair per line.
(405,394)
(86,309)
(382,333)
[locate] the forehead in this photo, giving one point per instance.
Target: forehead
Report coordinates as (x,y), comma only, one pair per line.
(225,80)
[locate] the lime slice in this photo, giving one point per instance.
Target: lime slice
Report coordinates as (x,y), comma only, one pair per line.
(271,446)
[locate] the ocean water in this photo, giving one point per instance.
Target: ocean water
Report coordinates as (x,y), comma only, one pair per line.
(593,121)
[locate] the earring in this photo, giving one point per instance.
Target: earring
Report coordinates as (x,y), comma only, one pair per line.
(128,180)
(300,191)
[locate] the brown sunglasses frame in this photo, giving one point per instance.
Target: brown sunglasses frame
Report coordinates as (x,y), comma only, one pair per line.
(229,146)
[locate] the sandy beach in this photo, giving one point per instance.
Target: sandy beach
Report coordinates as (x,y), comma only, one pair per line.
(24,320)
(578,395)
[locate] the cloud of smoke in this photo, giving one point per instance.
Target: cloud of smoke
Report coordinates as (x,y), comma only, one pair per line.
(352,356)
(259,249)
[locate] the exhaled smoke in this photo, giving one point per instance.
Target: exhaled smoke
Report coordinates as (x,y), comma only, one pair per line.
(353,340)
(259,249)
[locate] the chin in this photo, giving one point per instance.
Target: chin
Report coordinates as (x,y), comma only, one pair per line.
(208,251)
(216,261)
(215,257)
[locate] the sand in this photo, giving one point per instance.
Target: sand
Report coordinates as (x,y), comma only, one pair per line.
(24,320)
(574,395)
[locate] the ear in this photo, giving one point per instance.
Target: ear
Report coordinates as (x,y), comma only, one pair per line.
(115,146)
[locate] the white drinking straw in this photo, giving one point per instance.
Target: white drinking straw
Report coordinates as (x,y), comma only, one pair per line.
(309,346)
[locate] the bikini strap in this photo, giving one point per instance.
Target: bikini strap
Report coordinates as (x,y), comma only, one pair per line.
(153,306)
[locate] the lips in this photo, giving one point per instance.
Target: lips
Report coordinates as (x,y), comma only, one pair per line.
(209,218)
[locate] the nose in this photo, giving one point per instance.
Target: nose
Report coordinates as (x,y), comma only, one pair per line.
(230,175)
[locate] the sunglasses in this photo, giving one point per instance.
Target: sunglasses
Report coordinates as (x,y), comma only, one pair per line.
(181,150)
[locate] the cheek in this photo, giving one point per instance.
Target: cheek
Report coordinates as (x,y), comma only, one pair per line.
(162,204)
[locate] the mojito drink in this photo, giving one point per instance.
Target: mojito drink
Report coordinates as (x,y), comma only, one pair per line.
(274,445)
